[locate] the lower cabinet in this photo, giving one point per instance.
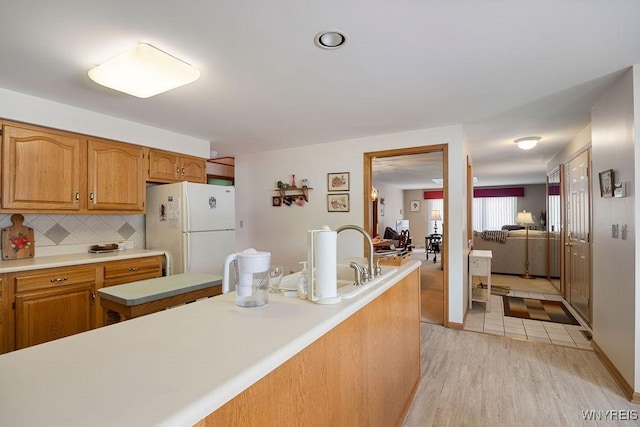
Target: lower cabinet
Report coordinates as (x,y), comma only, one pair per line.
(41,305)
(53,303)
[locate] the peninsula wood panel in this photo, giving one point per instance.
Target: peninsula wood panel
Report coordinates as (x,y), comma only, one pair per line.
(363,372)
(115,176)
(41,169)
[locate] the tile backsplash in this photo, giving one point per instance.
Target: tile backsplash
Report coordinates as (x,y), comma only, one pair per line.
(58,230)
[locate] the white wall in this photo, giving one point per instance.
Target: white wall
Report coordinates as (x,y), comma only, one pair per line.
(283,230)
(29,109)
(614,283)
(417,220)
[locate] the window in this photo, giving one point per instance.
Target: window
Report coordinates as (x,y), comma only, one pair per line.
(491,213)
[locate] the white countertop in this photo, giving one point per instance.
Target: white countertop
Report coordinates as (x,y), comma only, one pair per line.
(50,261)
(170,368)
(148,290)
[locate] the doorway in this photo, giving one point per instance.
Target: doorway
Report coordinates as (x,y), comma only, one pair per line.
(369,213)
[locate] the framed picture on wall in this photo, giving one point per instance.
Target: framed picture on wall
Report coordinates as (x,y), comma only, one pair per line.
(415,206)
(338,181)
(606,183)
(338,202)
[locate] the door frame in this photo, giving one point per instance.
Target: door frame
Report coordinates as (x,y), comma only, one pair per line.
(367,180)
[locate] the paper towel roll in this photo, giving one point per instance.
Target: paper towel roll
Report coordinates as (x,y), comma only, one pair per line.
(326,252)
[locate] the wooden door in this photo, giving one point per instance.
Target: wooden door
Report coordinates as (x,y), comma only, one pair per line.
(193,169)
(41,169)
(115,177)
(50,314)
(163,166)
(578,235)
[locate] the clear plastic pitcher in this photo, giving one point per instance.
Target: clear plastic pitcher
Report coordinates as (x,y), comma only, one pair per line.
(252,277)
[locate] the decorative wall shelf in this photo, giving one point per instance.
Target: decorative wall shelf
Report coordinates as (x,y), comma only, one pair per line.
(294,192)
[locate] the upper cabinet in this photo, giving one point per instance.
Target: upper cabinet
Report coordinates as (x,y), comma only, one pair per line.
(41,169)
(45,170)
(115,176)
(165,166)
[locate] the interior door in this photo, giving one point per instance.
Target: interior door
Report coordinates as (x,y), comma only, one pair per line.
(578,235)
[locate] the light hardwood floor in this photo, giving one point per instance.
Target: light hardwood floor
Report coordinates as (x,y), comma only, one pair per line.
(471,379)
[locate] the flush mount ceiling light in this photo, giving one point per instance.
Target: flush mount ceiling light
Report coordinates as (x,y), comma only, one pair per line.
(144,71)
(528,142)
(330,39)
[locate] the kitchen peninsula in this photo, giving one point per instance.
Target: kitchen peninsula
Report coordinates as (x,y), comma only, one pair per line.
(214,363)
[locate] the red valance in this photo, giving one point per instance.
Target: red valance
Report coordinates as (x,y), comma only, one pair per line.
(482,192)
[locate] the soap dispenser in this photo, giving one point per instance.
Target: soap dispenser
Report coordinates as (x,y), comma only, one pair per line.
(303,281)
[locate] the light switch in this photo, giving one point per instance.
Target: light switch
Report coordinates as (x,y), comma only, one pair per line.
(623,232)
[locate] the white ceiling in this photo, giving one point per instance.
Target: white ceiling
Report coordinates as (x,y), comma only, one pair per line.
(502,68)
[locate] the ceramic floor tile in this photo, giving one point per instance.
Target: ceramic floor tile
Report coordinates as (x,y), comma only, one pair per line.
(493,332)
(536,295)
(552,297)
(529,322)
(539,339)
(585,346)
(564,343)
(560,337)
(475,328)
(536,333)
(522,294)
(553,326)
(535,327)
(515,335)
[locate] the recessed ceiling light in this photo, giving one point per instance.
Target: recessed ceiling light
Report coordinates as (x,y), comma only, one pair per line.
(330,39)
(144,71)
(528,142)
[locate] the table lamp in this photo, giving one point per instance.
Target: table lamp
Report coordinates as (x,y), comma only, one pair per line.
(435,216)
(525,218)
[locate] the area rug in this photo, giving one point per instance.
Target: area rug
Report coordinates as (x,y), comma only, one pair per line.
(537,309)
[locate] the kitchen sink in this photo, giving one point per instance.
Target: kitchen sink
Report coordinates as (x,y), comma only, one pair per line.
(346,281)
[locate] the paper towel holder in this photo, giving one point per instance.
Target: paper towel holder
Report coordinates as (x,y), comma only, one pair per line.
(311,295)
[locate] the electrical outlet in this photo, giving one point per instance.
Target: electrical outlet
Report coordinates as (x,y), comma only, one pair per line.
(614,231)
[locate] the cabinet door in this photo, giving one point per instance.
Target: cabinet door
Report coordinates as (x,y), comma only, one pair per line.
(41,169)
(47,315)
(164,166)
(115,177)
(193,169)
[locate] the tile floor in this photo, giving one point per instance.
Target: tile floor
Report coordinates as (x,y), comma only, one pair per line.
(496,323)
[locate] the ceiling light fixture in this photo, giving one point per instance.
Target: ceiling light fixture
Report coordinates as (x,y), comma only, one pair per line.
(330,39)
(144,71)
(528,142)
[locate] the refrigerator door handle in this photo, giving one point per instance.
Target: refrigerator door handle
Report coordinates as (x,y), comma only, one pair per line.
(187,255)
(185,210)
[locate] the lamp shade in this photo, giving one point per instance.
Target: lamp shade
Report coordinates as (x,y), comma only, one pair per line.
(524,218)
(144,71)
(435,215)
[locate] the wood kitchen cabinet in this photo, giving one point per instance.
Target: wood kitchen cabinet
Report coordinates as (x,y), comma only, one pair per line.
(165,166)
(115,176)
(46,170)
(53,303)
(127,271)
(41,169)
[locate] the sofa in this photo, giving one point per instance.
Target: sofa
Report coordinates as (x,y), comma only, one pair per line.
(508,250)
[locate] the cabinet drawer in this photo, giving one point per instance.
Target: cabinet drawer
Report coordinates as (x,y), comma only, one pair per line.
(54,278)
(130,270)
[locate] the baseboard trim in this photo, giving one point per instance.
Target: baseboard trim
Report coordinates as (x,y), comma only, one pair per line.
(454,325)
(617,376)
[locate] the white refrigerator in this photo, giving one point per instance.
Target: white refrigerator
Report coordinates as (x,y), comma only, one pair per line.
(194,223)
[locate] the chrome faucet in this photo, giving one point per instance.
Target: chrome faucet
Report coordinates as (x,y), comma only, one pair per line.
(371,269)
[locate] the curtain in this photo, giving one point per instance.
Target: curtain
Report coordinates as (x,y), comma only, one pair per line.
(433,204)
(491,213)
